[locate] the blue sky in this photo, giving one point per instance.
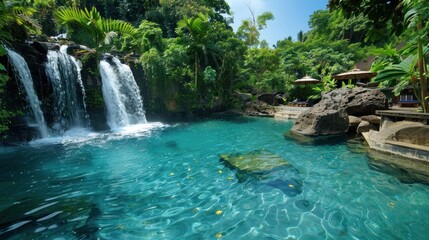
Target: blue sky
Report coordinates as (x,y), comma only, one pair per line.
(291,16)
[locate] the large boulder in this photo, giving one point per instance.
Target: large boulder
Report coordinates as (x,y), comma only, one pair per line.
(354,121)
(323,119)
(365,126)
(376,120)
(269,98)
(358,101)
(330,115)
(259,108)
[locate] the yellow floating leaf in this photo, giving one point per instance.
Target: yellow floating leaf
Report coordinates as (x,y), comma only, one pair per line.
(219,212)
(229,178)
(291,186)
(172,174)
(220,171)
(218,235)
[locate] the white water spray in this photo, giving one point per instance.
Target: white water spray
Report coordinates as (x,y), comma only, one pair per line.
(64,73)
(23,73)
(121,95)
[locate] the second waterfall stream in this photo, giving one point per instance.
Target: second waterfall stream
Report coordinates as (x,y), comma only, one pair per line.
(121,94)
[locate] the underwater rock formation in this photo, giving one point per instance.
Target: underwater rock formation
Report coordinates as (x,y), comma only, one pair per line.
(266,167)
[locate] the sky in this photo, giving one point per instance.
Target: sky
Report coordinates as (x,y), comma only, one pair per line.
(290,16)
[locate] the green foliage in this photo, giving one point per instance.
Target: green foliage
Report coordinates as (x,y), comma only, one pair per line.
(348,85)
(263,68)
(145,37)
(89,28)
(194,30)
(190,54)
(209,75)
(318,58)
(328,84)
(16,21)
(177,61)
(384,57)
(403,72)
(170,12)
(249,28)
(394,15)
(155,73)
(384,16)
(134,11)
(94,98)
(5,113)
(167,72)
(45,16)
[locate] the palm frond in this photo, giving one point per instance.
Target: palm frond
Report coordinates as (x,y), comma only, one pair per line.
(93,25)
(398,75)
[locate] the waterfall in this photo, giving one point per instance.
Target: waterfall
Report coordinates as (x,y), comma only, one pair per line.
(121,94)
(22,72)
(64,73)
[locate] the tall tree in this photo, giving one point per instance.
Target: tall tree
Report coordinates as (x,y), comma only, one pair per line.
(249,29)
(196,27)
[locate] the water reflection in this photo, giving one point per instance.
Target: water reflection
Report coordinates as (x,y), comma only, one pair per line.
(404,169)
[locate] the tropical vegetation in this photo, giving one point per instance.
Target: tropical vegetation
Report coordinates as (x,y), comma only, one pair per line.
(192,59)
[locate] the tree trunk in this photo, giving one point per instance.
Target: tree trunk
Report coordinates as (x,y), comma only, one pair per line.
(196,72)
(423,78)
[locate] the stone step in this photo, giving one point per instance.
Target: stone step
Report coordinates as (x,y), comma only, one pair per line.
(287,115)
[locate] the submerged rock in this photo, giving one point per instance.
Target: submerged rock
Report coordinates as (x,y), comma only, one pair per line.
(255,161)
(267,167)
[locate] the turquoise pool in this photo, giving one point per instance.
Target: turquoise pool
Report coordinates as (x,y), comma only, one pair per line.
(167,182)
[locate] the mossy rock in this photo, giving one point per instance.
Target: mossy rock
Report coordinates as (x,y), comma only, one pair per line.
(254,162)
(266,168)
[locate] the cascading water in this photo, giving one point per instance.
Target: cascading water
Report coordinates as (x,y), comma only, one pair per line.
(121,95)
(64,73)
(22,72)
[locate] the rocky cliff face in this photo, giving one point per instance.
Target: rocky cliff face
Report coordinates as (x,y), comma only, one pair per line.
(35,55)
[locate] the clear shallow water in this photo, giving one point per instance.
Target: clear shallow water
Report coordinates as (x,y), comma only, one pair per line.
(166,182)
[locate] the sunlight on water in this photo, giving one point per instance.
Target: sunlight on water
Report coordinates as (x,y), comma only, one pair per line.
(135,130)
(156,181)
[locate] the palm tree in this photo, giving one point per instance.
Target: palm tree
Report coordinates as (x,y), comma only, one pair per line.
(249,29)
(416,17)
(197,28)
(89,28)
